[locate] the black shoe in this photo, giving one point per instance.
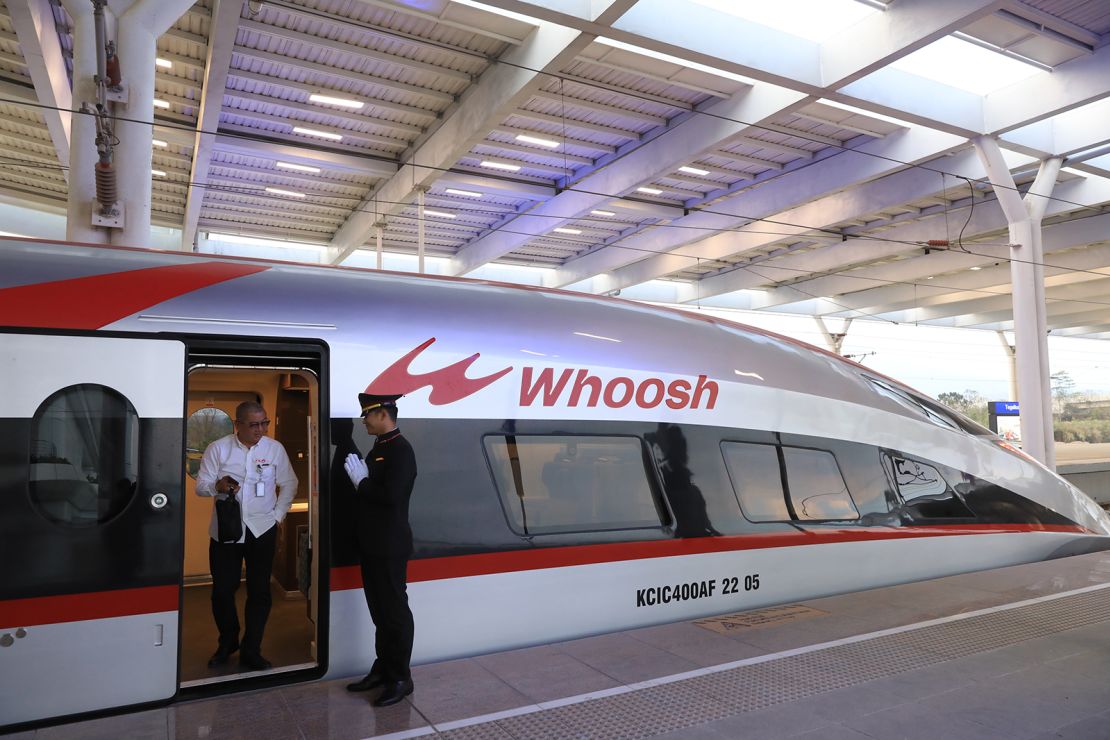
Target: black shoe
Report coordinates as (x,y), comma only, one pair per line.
(220,656)
(254,662)
(394,693)
(369,681)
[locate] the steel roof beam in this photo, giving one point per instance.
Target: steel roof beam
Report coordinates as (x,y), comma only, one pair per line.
(33,21)
(501,89)
(224,26)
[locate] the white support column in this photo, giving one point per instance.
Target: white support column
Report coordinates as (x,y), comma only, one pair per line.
(420,230)
(140,23)
(378,242)
(82,157)
(835,341)
(1027,276)
(1011,353)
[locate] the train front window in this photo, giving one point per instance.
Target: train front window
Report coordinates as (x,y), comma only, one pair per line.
(552,484)
(84,455)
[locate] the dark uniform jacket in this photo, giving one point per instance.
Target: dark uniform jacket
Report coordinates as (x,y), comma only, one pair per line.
(382,501)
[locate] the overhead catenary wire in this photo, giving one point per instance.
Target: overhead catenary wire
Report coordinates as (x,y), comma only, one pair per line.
(632,94)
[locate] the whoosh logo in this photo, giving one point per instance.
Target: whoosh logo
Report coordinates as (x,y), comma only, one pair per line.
(546,386)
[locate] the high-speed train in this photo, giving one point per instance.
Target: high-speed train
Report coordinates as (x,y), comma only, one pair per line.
(585,465)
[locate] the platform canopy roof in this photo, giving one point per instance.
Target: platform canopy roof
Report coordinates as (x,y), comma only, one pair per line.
(785,155)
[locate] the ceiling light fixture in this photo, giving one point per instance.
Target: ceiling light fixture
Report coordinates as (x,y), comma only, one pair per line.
(159,103)
(159,143)
(158,173)
(298,167)
(439,214)
(501,166)
(163,63)
(693,171)
(289,193)
(315,132)
(675,60)
(562,230)
(603,213)
(650,191)
(332,100)
(549,143)
(862,112)
(464,193)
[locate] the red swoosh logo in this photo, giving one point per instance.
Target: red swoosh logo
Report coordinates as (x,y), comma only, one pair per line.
(98,300)
(448,384)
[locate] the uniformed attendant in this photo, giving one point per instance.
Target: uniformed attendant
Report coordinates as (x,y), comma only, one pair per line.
(383,485)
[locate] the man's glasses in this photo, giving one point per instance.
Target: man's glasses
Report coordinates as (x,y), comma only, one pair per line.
(265,424)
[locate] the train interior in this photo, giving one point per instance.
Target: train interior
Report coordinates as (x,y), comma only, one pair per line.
(291,397)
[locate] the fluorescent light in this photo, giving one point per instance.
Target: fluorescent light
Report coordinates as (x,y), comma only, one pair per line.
(562,230)
(501,166)
(159,103)
(289,193)
(159,143)
(439,214)
(675,60)
(862,112)
(158,173)
(464,193)
(815,20)
(965,66)
(693,171)
(316,132)
(650,191)
(163,63)
(549,143)
(298,167)
(603,213)
(975,269)
(499,11)
(331,100)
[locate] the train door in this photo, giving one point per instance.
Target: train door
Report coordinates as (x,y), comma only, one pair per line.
(91,506)
(286,381)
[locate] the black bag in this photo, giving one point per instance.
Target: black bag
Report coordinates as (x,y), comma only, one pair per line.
(229,521)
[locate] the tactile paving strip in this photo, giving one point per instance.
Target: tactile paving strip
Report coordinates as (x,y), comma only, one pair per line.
(664,708)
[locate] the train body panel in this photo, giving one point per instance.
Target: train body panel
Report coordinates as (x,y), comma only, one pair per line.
(640,432)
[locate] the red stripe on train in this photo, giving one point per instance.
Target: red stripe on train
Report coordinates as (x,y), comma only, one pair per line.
(16,613)
(94,605)
(79,303)
(434,569)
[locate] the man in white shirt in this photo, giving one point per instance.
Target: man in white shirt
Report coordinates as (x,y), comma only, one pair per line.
(255,470)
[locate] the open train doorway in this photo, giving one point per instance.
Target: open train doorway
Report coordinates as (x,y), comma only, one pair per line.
(287,384)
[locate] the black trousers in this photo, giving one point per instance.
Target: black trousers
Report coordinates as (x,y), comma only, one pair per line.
(383,582)
(226,564)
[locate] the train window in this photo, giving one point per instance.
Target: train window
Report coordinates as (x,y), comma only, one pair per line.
(815,485)
(757,480)
(553,484)
(204,427)
(924,490)
(910,401)
(84,455)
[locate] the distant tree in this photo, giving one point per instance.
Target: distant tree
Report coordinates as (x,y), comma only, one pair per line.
(1063,388)
(969,403)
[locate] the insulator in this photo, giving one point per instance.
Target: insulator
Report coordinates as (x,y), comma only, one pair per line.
(106,194)
(938,243)
(113,72)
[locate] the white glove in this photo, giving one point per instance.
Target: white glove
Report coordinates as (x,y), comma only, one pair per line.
(356,469)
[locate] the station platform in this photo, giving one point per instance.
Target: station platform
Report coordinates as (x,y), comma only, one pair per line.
(1018,652)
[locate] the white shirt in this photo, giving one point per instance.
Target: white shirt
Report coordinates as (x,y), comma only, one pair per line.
(262,471)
